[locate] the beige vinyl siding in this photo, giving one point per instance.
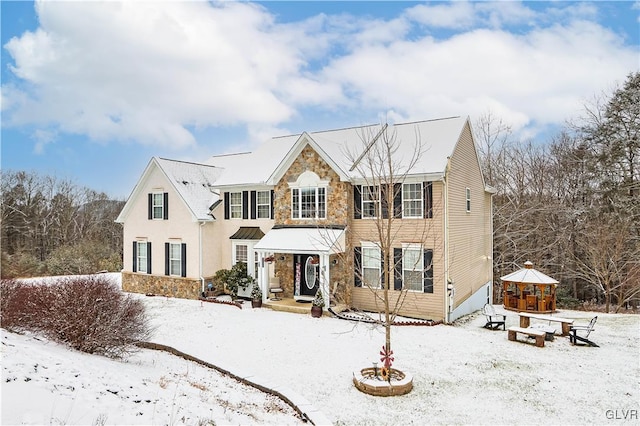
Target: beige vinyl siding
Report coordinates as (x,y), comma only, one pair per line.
(469,252)
(429,233)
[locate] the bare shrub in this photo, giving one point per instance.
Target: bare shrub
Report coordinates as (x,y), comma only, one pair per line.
(13,295)
(89,313)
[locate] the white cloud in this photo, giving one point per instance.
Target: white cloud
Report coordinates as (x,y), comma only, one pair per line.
(149,71)
(144,70)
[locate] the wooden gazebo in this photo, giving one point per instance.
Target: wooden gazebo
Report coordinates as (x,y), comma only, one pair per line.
(529,290)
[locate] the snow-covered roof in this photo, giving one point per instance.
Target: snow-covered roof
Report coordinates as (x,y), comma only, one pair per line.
(528,275)
(302,240)
(437,138)
(194,183)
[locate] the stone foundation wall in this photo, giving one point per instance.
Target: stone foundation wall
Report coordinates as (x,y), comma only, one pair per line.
(185,288)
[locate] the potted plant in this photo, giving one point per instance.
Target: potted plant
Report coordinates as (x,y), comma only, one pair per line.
(238,278)
(256,296)
(317,304)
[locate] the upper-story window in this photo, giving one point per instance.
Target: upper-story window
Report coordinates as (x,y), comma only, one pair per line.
(159,205)
(370,201)
(235,205)
(263,204)
(412,200)
(309,197)
(468,197)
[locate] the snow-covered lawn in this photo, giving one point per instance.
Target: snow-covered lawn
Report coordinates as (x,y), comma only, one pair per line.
(463,374)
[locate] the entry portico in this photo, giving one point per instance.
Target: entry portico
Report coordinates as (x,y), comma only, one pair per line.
(311,248)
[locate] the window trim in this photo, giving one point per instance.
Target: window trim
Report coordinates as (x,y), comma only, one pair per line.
(155,196)
(421,199)
(320,208)
(376,202)
(236,205)
(142,266)
(366,246)
(418,267)
(173,273)
(268,204)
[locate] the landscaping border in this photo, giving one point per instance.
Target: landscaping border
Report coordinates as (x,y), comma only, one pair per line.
(304,408)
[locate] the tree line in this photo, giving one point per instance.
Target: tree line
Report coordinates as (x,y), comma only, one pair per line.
(52,226)
(571,205)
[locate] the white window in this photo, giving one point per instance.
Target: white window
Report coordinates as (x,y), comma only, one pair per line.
(158,205)
(412,268)
(308,203)
(370,201)
(263,204)
(141,256)
(412,200)
(371,266)
(468,191)
(235,205)
(241,253)
(175,259)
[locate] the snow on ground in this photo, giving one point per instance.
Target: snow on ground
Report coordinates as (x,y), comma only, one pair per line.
(463,374)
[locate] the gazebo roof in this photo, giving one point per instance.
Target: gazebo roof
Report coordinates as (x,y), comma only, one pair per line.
(529,275)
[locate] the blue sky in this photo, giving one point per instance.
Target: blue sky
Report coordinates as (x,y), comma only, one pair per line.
(91,91)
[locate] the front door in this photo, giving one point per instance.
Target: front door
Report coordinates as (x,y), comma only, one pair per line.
(306,280)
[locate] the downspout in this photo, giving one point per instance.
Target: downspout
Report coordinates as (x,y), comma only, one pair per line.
(200,255)
(447,279)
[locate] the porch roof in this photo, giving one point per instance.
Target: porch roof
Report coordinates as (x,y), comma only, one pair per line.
(312,240)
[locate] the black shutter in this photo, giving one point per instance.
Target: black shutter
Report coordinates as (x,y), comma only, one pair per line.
(150,206)
(397,269)
(272,206)
(166,205)
(427,259)
(149,257)
(226,205)
(357,201)
(245,204)
(134,268)
(384,204)
(427,201)
(166,258)
(183,260)
(254,201)
(397,200)
(357,266)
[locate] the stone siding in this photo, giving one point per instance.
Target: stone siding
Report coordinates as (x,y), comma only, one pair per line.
(337,192)
(186,288)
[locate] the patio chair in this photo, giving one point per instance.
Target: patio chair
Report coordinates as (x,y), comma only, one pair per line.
(585,330)
(494,321)
(274,287)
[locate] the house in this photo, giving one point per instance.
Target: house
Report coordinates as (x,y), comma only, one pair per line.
(307,209)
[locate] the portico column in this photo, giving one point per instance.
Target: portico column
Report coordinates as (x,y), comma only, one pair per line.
(325,277)
(263,276)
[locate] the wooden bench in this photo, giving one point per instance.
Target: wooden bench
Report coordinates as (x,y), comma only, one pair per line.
(538,334)
(525,319)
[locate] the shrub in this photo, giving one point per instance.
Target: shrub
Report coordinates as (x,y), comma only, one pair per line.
(88,313)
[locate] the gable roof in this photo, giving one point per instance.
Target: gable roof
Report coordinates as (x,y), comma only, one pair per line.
(340,147)
(193,182)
